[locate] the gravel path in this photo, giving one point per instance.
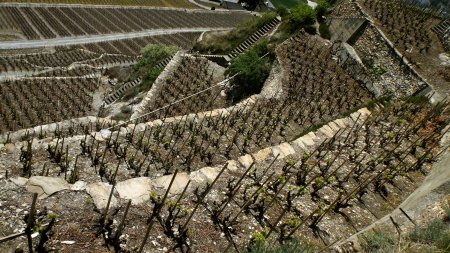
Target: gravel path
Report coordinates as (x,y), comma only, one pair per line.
(67,41)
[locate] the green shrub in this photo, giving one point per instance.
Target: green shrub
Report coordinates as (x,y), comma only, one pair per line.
(125,109)
(293,246)
(324,31)
(418,100)
(129,94)
(321,8)
(252,72)
(436,232)
(224,43)
(379,241)
(152,54)
(121,117)
(302,15)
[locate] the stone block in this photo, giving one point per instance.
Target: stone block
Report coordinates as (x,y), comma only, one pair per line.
(137,189)
(46,186)
(262,154)
(283,150)
(245,160)
(99,192)
(178,185)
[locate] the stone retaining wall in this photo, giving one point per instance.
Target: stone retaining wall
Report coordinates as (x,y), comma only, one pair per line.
(48,130)
(138,189)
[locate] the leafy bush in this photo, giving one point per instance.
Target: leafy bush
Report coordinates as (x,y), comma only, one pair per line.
(302,15)
(224,43)
(379,241)
(324,31)
(293,246)
(125,109)
(437,233)
(321,8)
(252,72)
(152,54)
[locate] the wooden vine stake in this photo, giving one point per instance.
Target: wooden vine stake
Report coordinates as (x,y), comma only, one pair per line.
(29,229)
(158,208)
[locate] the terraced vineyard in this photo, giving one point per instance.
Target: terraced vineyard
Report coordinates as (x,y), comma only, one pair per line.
(156,3)
(105,147)
(406,25)
(134,46)
(31,102)
(51,22)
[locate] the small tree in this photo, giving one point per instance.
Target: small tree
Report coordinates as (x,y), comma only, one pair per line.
(302,15)
(321,8)
(252,70)
(152,54)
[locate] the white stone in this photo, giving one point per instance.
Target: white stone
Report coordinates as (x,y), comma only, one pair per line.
(283,150)
(334,126)
(327,131)
(341,123)
(99,192)
(307,140)
(356,116)
(209,173)
(178,185)
(364,111)
(46,186)
(78,186)
(19,181)
(9,148)
(232,165)
(299,145)
(105,133)
(137,189)
(262,154)
(245,160)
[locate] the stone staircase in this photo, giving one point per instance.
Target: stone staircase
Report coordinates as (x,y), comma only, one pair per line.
(112,97)
(443,32)
(109,99)
(254,38)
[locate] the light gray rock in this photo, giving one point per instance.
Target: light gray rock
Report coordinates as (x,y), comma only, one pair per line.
(9,148)
(46,186)
(306,140)
(232,165)
(245,160)
(105,133)
(99,192)
(178,185)
(341,123)
(299,145)
(327,131)
(334,126)
(78,186)
(210,173)
(203,176)
(284,149)
(262,155)
(19,181)
(137,189)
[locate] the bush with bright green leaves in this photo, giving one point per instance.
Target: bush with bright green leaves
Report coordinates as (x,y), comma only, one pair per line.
(302,15)
(321,8)
(252,69)
(225,42)
(152,54)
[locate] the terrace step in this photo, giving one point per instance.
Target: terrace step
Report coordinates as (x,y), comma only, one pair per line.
(443,32)
(112,97)
(254,38)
